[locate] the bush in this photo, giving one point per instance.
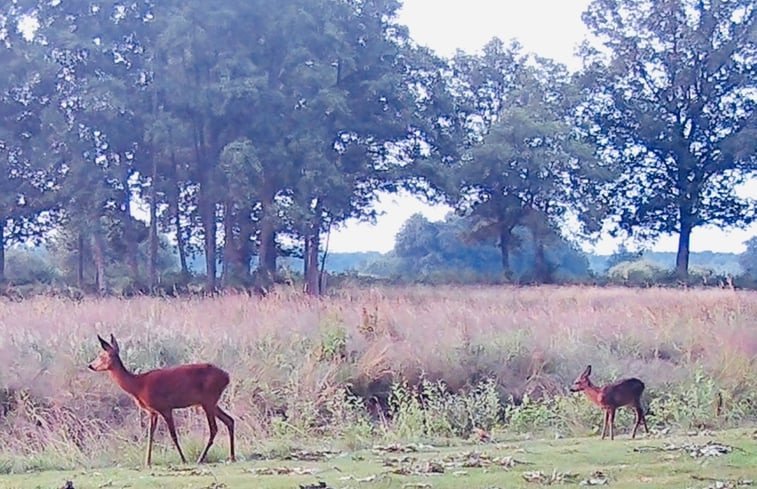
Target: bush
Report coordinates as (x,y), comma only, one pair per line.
(25,266)
(638,272)
(430,410)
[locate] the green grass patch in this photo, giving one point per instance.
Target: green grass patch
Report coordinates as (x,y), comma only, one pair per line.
(698,461)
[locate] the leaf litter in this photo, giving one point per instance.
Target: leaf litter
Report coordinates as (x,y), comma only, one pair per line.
(597,478)
(695,450)
(317,485)
(398,448)
(303,455)
(539,477)
(282,471)
(723,484)
(409,465)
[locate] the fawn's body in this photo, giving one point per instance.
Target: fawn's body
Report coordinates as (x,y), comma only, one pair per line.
(160,391)
(625,392)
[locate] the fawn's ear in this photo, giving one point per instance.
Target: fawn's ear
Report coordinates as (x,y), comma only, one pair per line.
(104,344)
(114,343)
(587,372)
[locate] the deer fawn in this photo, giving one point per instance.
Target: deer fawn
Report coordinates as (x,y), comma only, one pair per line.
(160,391)
(626,392)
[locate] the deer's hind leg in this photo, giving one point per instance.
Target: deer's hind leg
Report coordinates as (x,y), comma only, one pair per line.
(640,419)
(611,420)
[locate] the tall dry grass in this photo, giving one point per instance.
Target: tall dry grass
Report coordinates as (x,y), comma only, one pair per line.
(291,356)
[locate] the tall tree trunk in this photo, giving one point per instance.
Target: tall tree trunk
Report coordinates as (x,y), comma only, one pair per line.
(2,249)
(176,198)
(312,243)
(267,252)
(230,260)
(209,228)
(130,236)
(684,239)
(98,256)
(505,236)
(237,252)
(180,243)
(322,271)
(153,258)
(246,231)
(541,270)
(207,206)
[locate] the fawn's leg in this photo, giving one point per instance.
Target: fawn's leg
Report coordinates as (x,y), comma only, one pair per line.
(150,436)
(639,417)
(229,422)
(643,418)
(168,416)
(604,424)
(612,423)
(210,412)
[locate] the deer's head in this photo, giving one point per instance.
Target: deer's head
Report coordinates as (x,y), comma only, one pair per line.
(582,382)
(107,358)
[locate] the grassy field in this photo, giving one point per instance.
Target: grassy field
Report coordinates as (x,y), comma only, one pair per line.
(379,366)
(676,462)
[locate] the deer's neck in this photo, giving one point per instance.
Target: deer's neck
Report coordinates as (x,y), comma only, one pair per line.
(594,394)
(125,379)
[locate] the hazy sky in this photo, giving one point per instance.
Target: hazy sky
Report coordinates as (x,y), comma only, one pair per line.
(550,28)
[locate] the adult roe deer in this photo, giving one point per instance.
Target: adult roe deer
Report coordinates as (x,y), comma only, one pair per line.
(160,391)
(626,392)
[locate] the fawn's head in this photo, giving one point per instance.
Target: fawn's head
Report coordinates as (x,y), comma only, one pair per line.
(106,359)
(582,382)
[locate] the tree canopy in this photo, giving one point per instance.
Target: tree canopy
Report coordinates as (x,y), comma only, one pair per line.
(247,130)
(671,101)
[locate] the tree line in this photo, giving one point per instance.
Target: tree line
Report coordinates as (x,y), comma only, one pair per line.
(246,130)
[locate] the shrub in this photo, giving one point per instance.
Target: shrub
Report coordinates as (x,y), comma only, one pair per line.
(29,266)
(638,272)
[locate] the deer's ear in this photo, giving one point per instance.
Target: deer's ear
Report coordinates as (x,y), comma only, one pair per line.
(587,372)
(104,344)
(114,343)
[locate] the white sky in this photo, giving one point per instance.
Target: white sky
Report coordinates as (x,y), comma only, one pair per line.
(551,28)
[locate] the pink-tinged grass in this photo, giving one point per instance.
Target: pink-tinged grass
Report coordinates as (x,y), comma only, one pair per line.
(290,358)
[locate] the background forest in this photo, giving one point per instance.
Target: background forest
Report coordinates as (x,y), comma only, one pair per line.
(146,145)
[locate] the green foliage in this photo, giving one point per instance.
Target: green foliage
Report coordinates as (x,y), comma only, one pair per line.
(524,165)
(333,341)
(29,266)
(530,415)
(431,410)
(623,254)
(345,106)
(673,108)
(722,264)
(442,252)
(700,402)
(638,272)
(748,259)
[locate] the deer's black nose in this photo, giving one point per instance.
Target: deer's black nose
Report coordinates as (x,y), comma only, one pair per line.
(91,367)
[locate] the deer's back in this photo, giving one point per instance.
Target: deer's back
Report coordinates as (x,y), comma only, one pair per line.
(182,386)
(626,391)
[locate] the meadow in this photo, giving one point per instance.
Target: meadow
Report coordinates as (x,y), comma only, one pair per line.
(460,369)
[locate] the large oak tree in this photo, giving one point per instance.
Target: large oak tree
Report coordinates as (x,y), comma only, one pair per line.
(672,102)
